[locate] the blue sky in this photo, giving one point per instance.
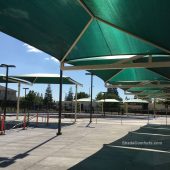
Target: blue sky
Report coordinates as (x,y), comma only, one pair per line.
(30,60)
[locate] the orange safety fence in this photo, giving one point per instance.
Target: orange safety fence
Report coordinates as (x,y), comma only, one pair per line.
(2,126)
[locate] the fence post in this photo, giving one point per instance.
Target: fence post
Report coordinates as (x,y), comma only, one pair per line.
(37,120)
(28,119)
(24,123)
(2,130)
(0,123)
(47,118)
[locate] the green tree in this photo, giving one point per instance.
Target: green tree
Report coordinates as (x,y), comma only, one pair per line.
(48,99)
(69,97)
(31,100)
(107,95)
(113,90)
(100,96)
(81,95)
(39,99)
(109,106)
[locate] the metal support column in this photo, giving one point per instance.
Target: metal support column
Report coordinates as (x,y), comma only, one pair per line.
(166,114)
(91,95)
(148,115)
(91,102)
(102,108)
(80,106)
(126,108)
(154,104)
(60,103)
(76,103)
(25,103)
(18,99)
(104,105)
(6,87)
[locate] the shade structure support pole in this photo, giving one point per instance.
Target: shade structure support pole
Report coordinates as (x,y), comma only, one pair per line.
(91,102)
(60,103)
(5,97)
(18,99)
(77,39)
(75,118)
(148,115)
(126,108)
(86,8)
(154,108)
(166,114)
(112,66)
(80,106)
(104,105)
(102,109)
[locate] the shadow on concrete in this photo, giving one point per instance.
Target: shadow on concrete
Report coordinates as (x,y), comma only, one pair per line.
(147,148)
(50,125)
(5,162)
(89,125)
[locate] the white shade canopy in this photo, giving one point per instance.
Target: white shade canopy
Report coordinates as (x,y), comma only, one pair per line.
(108,101)
(84,100)
(135,101)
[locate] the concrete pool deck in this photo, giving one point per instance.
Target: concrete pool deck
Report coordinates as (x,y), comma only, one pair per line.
(39,148)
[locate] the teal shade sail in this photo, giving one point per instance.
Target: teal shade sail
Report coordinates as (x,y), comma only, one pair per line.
(46,79)
(147,19)
(51,26)
(136,74)
(101,39)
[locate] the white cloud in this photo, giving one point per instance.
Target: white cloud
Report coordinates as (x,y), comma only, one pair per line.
(32,49)
(54,59)
(51,59)
(47,58)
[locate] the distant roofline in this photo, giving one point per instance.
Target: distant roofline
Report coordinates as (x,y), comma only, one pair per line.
(9,89)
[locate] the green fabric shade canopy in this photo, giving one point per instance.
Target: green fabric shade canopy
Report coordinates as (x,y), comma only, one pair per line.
(148,20)
(39,78)
(140,89)
(47,26)
(136,75)
(88,32)
(74,30)
(91,29)
(44,24)
(12,80)
(102,40)
(150,92)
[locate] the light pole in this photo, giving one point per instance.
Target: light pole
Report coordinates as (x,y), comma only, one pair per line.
(6,85)
(91,102)
(25,105)
(25,98)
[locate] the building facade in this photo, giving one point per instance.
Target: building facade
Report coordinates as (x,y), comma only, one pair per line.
(11,94)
